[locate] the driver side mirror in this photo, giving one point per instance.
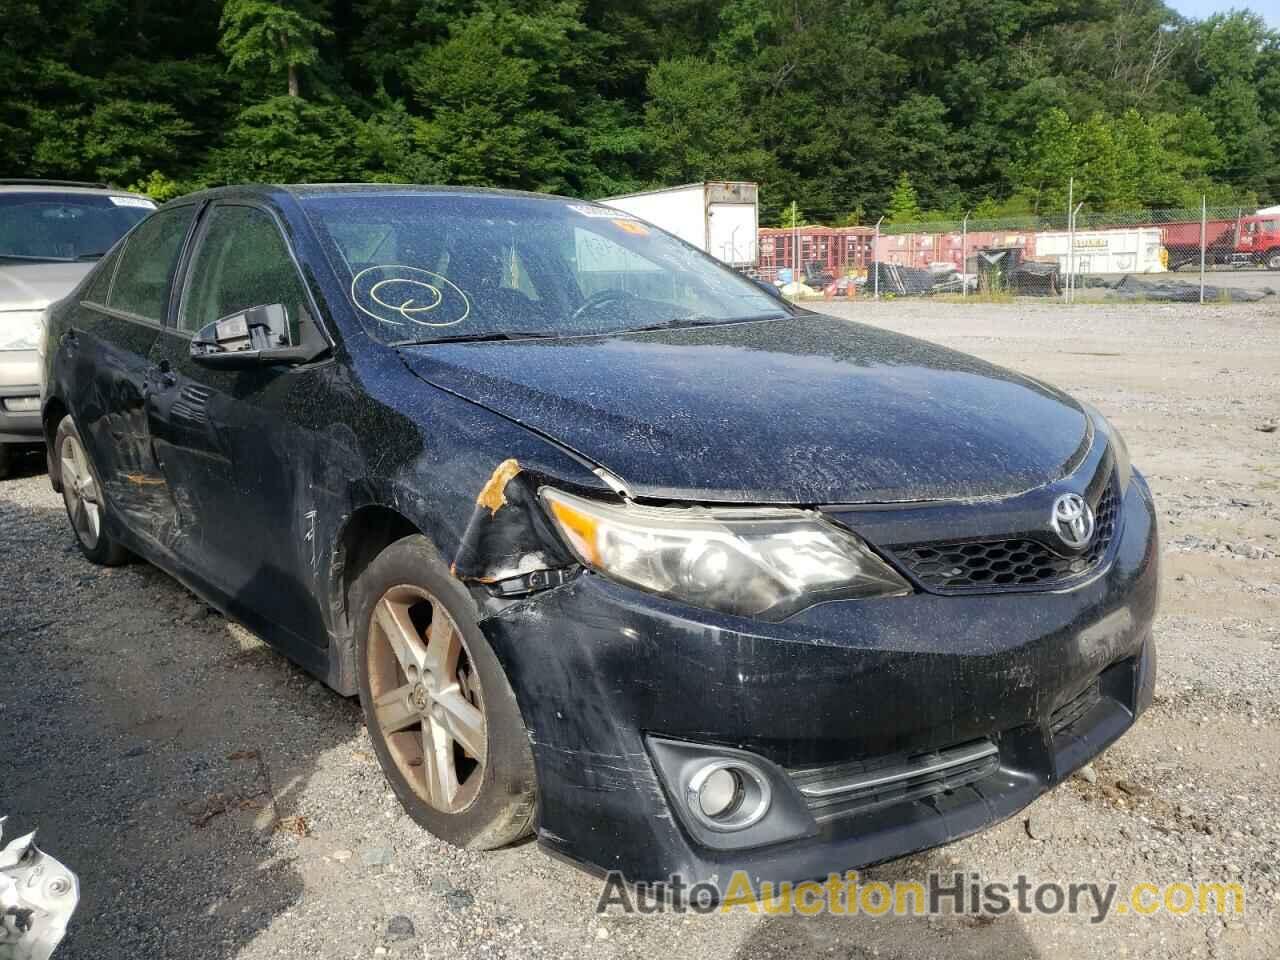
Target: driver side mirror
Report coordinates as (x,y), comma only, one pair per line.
(254,337)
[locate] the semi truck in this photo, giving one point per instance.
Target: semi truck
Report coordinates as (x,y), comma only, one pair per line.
(1247,241)
(719,217)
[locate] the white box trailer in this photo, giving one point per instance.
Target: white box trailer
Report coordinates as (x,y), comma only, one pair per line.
(1125,250)
(719,217)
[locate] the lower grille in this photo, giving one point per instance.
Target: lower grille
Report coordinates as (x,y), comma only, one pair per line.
(1070,712)
(861,786)
(996,564)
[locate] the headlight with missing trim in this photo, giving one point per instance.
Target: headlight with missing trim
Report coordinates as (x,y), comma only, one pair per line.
(765,563)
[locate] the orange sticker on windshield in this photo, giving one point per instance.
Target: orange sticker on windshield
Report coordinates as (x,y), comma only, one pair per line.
(630,226)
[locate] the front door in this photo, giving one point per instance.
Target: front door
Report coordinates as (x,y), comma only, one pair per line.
(239,447)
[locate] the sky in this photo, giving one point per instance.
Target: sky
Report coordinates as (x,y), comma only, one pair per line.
(1203,8)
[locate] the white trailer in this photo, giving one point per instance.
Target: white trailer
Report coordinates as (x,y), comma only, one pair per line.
(718,217)
(1125,250)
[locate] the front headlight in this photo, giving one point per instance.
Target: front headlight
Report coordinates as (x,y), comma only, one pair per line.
(21,329)
(764,563)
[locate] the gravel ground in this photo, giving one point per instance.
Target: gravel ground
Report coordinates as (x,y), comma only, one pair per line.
(218,803)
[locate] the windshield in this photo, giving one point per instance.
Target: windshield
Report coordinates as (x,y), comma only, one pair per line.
(425,267)
(65,226)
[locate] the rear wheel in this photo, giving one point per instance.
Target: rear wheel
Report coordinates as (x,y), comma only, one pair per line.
(442,717)
(1273,260)
(83,498)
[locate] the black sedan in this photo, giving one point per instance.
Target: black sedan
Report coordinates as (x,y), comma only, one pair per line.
(613,545)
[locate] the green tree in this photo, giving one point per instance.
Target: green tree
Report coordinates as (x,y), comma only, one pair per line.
(158,187)
(289,140)
(827,102)
(698,124)
(499,110)
(1048,161)
(278,36)
(904,206)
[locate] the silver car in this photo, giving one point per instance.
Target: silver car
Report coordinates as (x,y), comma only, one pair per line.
(51,233)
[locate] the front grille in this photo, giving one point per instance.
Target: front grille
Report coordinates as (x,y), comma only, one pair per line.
(867,785)
(995,564)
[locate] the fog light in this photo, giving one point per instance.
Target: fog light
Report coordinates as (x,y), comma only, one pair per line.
(22,404)
(720,793)
(728,795)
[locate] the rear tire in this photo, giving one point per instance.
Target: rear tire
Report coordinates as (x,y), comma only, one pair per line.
(6,458)
(443,719)
(1273,260)
(82,496)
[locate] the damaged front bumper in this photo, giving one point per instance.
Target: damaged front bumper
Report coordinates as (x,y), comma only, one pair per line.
(882,727)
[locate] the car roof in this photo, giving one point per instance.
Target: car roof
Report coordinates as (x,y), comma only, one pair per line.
(64,186)
(308,190)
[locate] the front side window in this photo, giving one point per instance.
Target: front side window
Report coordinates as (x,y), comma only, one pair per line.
(423,267)
(66,226)
(147,264)
(242,262)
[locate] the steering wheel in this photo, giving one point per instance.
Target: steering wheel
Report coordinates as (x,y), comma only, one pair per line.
(602,297)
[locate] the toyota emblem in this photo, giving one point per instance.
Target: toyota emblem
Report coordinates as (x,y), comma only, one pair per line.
(1073,520)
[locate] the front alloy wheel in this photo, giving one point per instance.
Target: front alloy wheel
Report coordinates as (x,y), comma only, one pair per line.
(440,712)
(426,698)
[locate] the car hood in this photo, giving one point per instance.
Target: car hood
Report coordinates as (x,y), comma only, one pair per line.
(33,286)
(808,410)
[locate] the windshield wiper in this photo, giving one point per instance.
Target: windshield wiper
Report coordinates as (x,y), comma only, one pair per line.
(476,338)
(682,323)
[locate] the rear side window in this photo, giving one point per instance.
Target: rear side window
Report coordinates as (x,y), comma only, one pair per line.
(148,262)
(243,262)
(100,285)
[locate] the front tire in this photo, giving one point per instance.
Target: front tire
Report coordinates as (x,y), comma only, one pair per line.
(1273,260)
(82,496)
(444,722)
(6,458)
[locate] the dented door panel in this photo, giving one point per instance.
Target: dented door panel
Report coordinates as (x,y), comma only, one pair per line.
(106,357)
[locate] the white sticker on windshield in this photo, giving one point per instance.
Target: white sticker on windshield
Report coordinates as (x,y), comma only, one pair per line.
(133,202)
(601,213)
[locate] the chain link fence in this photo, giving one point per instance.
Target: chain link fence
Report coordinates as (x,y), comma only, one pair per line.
(1206,254)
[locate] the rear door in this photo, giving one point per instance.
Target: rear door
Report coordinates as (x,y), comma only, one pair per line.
(108,348)
(238,447)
